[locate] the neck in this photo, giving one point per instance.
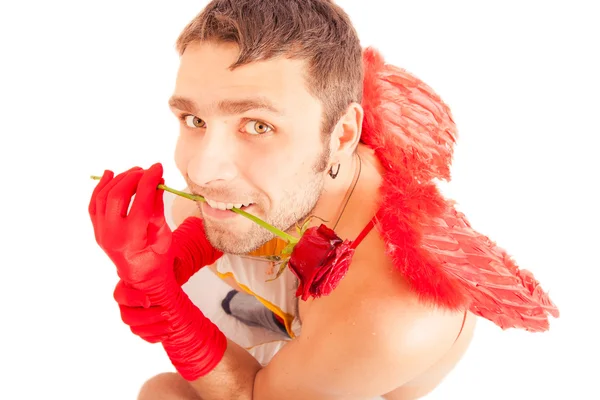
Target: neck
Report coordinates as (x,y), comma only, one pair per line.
(336,193)
(362,205)
(364,202)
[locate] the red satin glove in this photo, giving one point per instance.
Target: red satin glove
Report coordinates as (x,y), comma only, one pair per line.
(152,266)
(191,249)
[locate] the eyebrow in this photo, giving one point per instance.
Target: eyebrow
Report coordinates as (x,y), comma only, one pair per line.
(227,107)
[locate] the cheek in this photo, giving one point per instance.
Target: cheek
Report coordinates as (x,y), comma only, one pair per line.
(281,174)
(182,154)
(269,173)
(262,171)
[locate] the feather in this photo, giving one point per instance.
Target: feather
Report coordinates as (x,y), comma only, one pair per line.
(446,262)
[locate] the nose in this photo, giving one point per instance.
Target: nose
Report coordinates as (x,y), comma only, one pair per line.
(215,158)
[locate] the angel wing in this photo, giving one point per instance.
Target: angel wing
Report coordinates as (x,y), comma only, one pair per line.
(449,264)
(405,121)
(443,258)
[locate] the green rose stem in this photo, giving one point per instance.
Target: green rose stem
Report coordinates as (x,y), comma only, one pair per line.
(286,236)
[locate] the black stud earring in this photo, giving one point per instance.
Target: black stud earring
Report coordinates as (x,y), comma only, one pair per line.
(332,174)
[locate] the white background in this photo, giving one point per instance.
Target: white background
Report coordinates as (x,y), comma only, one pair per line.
(84,87)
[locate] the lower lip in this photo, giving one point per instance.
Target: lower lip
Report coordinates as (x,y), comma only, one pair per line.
(215,213)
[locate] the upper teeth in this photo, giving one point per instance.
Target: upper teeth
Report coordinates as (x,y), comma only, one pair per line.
(225,206)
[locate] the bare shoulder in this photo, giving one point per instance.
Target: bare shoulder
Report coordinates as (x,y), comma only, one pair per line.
(370,336)
(378,299)
(375,306)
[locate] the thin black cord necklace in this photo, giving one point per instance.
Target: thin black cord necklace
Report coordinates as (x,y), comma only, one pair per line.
(351,191)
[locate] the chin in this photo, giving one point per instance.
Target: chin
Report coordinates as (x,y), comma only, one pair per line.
(236,242)
(233,248)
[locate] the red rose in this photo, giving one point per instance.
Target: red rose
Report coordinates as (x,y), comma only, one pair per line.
(320,260)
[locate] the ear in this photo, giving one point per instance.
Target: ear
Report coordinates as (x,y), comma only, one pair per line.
(347,132)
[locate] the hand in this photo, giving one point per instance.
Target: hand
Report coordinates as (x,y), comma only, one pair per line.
(141,246)
(138,242)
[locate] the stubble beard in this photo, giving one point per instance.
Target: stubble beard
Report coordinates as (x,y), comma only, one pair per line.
(300,201)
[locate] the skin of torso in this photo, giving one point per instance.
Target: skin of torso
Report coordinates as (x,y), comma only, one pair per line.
(385,282)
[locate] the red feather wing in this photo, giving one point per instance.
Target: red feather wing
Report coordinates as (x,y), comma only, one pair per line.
(445,261)
(495,287)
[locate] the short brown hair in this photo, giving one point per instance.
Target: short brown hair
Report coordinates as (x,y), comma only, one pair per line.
(318,31)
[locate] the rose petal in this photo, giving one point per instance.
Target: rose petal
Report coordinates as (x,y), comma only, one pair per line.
(333,274)
(320,260)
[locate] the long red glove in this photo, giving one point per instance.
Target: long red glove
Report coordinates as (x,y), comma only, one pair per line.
(141,246)
(191,249)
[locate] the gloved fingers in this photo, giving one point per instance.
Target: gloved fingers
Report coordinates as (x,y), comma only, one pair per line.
(156,332)
(106,177)
(102,195)
(136,316)
(158,229)
(159,204)
(119,198)
(128,296)
(145,199)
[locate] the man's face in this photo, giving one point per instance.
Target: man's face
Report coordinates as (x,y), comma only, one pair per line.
(251,135)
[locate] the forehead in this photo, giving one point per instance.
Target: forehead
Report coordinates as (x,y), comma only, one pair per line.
(204,74)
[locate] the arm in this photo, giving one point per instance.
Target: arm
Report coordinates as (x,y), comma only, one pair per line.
(349,341)
(349,345)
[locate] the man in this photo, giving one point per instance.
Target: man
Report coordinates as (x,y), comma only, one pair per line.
(279,119)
